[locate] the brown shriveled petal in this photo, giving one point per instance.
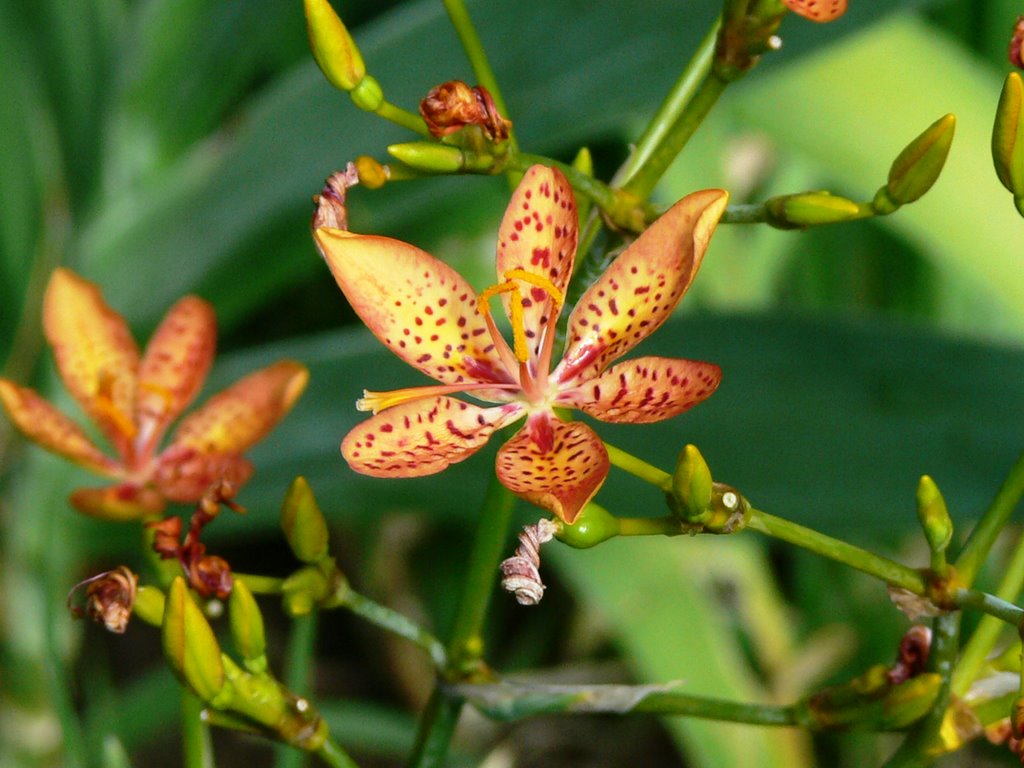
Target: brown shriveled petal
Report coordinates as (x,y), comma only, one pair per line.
(638,292)
(331,207)
(118,502)
(645,390)
(40,422)
(210,575)
(185,474)
(174,366)
(95,353)
(561,479)
(451,106)
(419,307)
(233,420)
(538,235)
(423,436)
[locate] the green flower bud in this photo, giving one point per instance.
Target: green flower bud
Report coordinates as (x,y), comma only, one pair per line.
(333,48)
(428,156)
(1008,138)
(584,163)
(368,95)
(303,590)
(149,605)
(934,517)
(810,208)
(247,627)
(593,525)
(303,523)
(909,701)
(190,645)
(918,166)
(692,485)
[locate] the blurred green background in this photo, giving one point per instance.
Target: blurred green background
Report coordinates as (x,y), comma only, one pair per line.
(162,147)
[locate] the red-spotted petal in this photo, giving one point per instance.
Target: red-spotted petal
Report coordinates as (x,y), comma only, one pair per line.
(645,389)
(184,474)
(422,437)
(95,353)
(555,465)
(638,292)
(118,502)
(174,366)
(40,422)
(538,235)
(818,10)
(421,308)
(245,412)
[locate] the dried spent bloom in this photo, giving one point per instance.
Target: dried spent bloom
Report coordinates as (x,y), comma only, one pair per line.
(429,316)
(133,400)
(817,10)
(452,106)
(109,598)
(520,574)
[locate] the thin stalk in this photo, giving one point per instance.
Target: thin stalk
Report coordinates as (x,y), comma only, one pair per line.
(603,196)
(996,608)
(195,733)
(474,48)
(402,117)
(649,473)
(650,526)
(918,749)
(397,624)
(261,585)
(437,725)
(988,528)
(981,643)
(875,565)
(333,755)
(298,671)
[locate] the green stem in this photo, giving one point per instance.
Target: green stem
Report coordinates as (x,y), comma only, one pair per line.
(650,526)
(298,668)
(745,213)
(195,734)
(984,534)
(402,117)
(333,755)
(603,196)
(977,649)
(918,750)
(261,585)
(996,608)
(649,473)
(436,728)
(685,106)
(881,567)
(477,56)
(396,623)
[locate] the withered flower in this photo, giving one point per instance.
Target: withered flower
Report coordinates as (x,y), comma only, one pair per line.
(453,105)
(109,598)
(331,208)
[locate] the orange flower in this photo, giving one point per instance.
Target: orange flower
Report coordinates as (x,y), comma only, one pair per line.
(133,400)
(429,316)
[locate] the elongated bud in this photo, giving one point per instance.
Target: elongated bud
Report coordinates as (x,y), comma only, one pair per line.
(333,48)
(427,156)
(1008,138)
(584,163)
(149,605)
(917,167)
(592,526)
(303,523)
(190,645)
(810,208)
(247,628)
(934,517)
(692,485)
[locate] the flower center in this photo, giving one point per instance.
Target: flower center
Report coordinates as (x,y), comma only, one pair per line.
(105,404)
(511,286)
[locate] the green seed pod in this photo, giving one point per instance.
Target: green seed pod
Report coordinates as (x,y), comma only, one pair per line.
(428,156)
(934,517)
(918,166)
(333,48)
(1008,138)
(593,525)
(692,485)
(303,523)
(190,645)
(247,627)
(810,208)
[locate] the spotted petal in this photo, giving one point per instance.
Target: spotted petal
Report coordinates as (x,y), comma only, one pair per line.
(638,292)
(243,414)
(184,474)
(419,307)
(95,353)
(538,235)
(645,389)
(423,436)
(555,465)
(174,366)
(40,422)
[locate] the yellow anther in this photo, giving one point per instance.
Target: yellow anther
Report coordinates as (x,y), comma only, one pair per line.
(538,280)
(511,287)
(379,401)
(518,327)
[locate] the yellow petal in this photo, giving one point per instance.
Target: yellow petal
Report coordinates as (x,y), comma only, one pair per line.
(95,353)
(40,422)
(538,235)
(638,292)
(419,307)
(174,366)
(423,436)
(554,465)
(645,389)
(243,414)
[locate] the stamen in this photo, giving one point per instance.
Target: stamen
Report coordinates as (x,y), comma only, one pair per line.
(164,393)
(518,327)
(538,280)
(379,401)
(510,286)
(105,405)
